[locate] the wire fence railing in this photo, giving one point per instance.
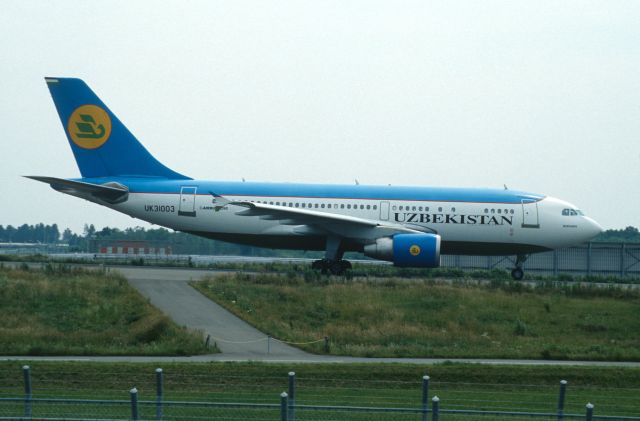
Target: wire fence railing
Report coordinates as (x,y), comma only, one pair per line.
(601,259)
(594,258)
(422,404)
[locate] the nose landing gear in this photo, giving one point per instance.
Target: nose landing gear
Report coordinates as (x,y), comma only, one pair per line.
(518,273)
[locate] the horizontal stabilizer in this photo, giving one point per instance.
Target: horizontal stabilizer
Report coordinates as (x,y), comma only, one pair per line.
(109,192)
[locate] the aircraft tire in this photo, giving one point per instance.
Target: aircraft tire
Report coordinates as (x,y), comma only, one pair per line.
(517,274)
(337,268)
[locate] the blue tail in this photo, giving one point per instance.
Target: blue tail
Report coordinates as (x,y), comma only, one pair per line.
(101,144)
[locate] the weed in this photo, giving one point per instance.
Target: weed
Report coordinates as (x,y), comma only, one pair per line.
(426,317)
(63,311)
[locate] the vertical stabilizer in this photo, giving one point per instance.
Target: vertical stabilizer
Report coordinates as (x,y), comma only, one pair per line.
(101,144)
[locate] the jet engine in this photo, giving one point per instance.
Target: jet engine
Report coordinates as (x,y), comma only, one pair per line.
(407,250)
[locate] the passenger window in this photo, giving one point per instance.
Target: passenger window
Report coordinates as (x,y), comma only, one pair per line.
(342,206)
(413,208)
(375,207)
(401,207)
(316,206)
(361,206)
(493,211)
(322,206)
(368,207)
(499,210)
(393,207)
(453,209)
(486,210)
(439,209)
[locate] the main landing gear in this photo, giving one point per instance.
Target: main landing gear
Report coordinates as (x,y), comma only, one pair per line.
(333,267)
(332,263)
(518,273)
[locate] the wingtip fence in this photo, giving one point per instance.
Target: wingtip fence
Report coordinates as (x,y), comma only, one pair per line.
(44,409)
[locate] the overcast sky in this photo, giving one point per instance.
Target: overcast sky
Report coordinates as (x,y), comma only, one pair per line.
(543,96)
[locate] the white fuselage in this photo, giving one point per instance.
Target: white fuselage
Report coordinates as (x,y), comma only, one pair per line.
(465,227)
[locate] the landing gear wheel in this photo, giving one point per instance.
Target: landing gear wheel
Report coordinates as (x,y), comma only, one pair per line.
(333,267)
(517,274)
(336,268)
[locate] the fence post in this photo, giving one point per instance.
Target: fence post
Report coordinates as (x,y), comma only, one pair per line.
(326,344)
(435,407)
(555,262)
(134,404)
(292,395)
(589,412)
(425,397)
(159,393)
(269,344)
(563,390)
(589,259)
(26,371)
(283,406)
(622,252)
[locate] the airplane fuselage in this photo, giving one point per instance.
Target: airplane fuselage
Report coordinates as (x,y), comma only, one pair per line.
(470,221)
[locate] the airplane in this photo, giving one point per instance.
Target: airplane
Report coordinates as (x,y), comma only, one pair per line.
(409,226)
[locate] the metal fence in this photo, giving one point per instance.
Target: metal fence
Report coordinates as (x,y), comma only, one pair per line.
(602,259)
(283,407)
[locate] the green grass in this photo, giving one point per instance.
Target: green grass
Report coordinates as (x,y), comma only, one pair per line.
(423,318)
(614,391)
(62,311)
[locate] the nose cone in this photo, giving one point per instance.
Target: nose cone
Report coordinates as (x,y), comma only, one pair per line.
(591,228)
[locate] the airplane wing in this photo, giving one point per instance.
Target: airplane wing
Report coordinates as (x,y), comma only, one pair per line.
(109,192)
(308,221)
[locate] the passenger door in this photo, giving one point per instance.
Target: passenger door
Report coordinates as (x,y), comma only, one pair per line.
(187,205)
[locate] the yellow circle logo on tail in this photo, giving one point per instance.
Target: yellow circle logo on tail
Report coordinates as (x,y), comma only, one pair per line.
(89,126)
(414,250)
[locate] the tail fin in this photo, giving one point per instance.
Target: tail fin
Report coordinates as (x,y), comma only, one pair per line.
(101,144)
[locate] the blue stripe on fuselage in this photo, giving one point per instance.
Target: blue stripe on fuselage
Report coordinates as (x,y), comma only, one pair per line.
(337,191)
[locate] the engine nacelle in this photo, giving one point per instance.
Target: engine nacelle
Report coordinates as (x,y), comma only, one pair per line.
(407,250)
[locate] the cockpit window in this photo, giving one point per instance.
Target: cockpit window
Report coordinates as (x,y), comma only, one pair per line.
(571,212)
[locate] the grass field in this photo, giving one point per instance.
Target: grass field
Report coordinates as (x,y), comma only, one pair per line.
(613,391)
(62,311)
(414,318)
